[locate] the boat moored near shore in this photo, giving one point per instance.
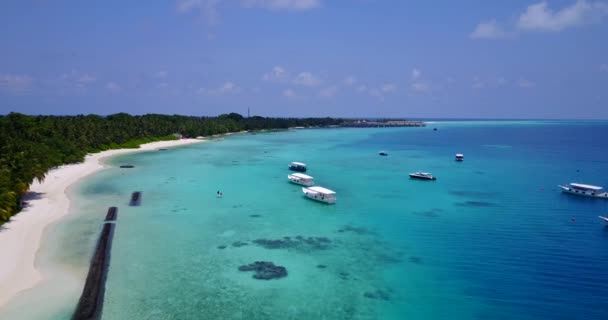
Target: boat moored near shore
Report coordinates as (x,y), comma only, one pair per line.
(297,166)
(301,179)
(320,194)
(422,176)
(586,190)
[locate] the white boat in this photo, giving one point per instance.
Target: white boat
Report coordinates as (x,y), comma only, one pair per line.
(320,194)
(604,219)
(301,179)
(459,157)
(422,176)
(297,166)
(586,190)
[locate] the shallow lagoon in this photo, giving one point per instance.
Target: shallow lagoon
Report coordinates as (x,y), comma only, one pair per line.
(492,238)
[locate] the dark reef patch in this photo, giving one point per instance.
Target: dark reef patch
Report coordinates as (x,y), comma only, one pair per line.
(321,266)
(378,295)
(355,230)
(432,213)
(127,166)
(472,194)
(265,270)
(414,259)
(255,215)
(476,204)
(221,247)
(344,275)
(239,244)
(298,243)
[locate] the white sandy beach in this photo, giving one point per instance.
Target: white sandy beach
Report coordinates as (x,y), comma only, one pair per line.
(20,238)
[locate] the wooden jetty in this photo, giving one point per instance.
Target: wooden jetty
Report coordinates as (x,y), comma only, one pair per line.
(382,124)
(90,304)
(135,198)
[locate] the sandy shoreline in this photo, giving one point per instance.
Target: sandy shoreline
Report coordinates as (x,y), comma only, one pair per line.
(21,237)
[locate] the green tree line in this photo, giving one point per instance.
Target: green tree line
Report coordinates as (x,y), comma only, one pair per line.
(32,145)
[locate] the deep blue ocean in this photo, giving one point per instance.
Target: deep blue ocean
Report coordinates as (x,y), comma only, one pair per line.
(491,238)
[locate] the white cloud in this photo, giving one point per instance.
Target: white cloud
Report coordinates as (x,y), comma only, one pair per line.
(488,30)
(539,17)
(416,74)
(278,74)
(604,67)
(161,74)
(295,5)
(227,88)
(421,87)
(478,83)
(113,87)
(417,83)
(526,84)
(378,92)
(350,80)
(388,87)
(15,82)
(328,92)
(76,79)
(208,8)
(307,79)
(86,79)
(288,93)
(488,82)
(375,92)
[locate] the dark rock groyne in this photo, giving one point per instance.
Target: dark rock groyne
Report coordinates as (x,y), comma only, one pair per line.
(112,213)
(90,304)
(135,198)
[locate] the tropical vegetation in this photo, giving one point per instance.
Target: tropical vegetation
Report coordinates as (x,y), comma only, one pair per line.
(32,145)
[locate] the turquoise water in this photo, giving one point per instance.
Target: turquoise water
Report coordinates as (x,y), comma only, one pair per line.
(492,238)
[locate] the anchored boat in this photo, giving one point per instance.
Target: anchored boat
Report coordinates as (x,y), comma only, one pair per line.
(297,166)
(301,179)
(422,176)
(586,190)
(320,194)
(459,157)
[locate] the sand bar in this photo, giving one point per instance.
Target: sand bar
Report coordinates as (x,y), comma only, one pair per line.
(21,237)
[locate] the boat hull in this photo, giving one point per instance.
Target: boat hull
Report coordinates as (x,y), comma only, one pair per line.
(422,178)
(590,194)
(302,183)
(318,197)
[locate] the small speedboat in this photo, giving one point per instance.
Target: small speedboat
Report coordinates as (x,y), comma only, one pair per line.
(586,190)
(383,153)
(297,166)
(301,179)
(422,176)
(459,157)
(320,194)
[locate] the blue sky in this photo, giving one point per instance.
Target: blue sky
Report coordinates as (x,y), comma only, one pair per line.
(353,58)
